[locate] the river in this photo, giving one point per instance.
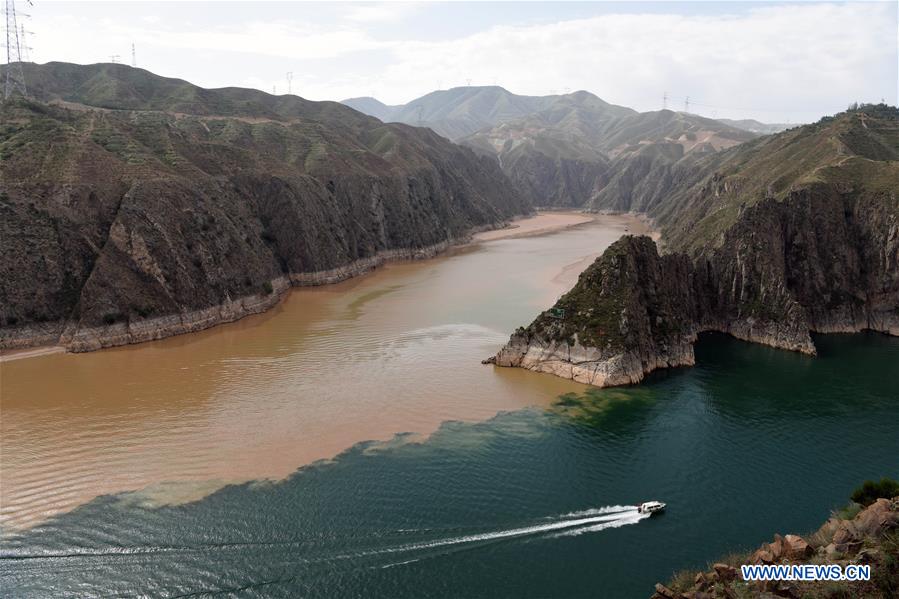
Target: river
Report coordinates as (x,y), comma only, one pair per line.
(350,443)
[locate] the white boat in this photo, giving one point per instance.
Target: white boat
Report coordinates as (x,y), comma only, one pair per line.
(650,507)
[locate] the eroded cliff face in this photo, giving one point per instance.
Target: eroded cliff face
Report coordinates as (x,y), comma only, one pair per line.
(124,226)
(631,312)
(821,260)
(556,182)
(768,241)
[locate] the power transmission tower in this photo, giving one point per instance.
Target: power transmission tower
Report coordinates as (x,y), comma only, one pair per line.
(26,49)
(665,101)
(289,80)
(114,58)
(15,77)
(133,56)
(687,104)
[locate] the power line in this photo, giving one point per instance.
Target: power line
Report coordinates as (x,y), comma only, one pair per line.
(695,103)
(26,49)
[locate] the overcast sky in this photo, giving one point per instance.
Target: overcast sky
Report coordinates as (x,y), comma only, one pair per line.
(777,62)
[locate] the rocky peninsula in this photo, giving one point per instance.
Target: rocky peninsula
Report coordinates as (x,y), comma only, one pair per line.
(742,257)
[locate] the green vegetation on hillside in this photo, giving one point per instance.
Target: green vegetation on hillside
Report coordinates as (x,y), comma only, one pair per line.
(871,490)
(128,195)
(854,152)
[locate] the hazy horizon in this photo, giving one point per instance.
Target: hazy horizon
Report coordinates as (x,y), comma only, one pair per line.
(773,62)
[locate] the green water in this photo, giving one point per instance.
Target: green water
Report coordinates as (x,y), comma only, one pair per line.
(750,442)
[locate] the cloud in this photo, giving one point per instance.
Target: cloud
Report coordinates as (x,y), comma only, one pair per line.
(773,62)
(381,12)
(298,41)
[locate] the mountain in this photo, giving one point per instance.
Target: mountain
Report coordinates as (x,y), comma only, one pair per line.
(573,150)
(371,107)
(457,112)
(583,152)
(136,206)
(768,241)
(755,126)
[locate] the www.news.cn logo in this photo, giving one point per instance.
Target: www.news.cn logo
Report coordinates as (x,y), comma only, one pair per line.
(805,572)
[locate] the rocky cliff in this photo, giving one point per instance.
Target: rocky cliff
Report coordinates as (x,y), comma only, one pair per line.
(813,246)
(870,537)
(136,207)
(632,311)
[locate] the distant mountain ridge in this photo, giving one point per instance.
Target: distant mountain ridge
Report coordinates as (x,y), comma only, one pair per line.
(572,150)
(755,126)
(372,107)
(457,112)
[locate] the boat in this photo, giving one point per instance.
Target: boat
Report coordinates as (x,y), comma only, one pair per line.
(650,507)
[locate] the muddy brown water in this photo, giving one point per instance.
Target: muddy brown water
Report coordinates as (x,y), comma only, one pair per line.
(394,351)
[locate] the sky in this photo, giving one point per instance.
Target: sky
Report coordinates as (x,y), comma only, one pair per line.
(776,62)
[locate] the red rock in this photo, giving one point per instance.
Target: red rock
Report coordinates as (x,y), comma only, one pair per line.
(876,519)
(846,533)
(795,547)
(725,573)
(777,547)
(700,582)
(665,592)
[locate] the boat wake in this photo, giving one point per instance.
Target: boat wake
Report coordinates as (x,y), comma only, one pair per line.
(570,524)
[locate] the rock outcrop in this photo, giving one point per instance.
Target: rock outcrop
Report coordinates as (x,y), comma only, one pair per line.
(871,537)
(631,312)
(133,207)
(823,256)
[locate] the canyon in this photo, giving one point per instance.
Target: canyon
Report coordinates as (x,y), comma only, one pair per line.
(763,249)
(136,207)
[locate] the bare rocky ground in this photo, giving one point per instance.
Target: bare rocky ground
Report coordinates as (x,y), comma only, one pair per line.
(871,537)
